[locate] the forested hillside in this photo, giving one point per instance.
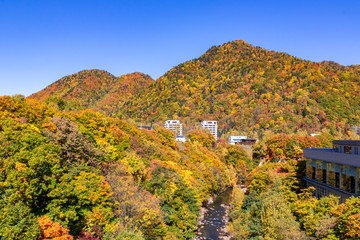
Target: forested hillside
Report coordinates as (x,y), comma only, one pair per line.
(89,176)
(246,88)
(95,89)
(278,206)
(83,175)
(252,89)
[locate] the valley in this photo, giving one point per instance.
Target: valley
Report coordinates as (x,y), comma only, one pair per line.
(93,156)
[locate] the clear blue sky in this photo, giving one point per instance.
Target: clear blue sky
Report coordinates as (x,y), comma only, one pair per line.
(44,40)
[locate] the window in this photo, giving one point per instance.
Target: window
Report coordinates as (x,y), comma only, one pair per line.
(348,178)
(337,175)
(358,176)
(310,169)
(347,150)
(352,179)
(331,174)
(319,170)
(313,170)
(345,177)
(324,169)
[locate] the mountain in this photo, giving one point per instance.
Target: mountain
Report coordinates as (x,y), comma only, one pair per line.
(96,89)
(125,87)
(253,90)
(245,88)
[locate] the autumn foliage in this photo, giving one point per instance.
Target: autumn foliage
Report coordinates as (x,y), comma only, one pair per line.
(96,89)
(70,166)
(85,175)
(239,85)
(52,230)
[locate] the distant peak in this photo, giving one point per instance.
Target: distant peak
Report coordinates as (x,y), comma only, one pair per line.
(137,74)
(92,71)
(236,44)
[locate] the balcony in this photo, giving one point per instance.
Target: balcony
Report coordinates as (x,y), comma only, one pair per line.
(331,155)
(334,189)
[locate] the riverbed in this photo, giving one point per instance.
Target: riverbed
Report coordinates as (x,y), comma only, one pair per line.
(214,218)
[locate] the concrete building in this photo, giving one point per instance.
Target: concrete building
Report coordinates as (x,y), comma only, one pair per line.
(175,126)
(242,140)
(236,139)
(211,126)
(334,171)
(180,139)
(356,129)
(146,127)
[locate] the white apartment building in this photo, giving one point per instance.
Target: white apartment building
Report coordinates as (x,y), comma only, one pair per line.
(175,126)
(211,126)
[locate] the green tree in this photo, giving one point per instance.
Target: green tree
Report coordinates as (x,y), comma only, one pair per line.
(17,221)
(179,205)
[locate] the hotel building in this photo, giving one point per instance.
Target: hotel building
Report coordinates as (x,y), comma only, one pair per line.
(175,126)
(211,126)
(334,171)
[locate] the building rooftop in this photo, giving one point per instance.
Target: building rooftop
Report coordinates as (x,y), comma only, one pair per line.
(332,155)
(347,142)
(146,127)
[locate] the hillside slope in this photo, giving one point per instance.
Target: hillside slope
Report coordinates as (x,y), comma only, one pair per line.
(96,89)
(252,90)
(244,88)
(86,174)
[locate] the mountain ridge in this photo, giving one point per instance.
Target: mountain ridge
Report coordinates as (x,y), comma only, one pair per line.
(95,88)
(252,90)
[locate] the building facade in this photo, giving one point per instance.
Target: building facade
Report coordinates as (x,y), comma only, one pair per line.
(211,126)
(180,138)
(334,171)
(236,139)
(175,126)
(356,130)
(146,127)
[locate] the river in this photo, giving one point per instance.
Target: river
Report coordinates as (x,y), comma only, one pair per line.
(214,218)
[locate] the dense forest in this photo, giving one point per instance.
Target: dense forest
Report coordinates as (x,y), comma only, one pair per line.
(73,164)
(254,90)
(89,176)
(84,175)
(244,88)
(94,89)
(278,206)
